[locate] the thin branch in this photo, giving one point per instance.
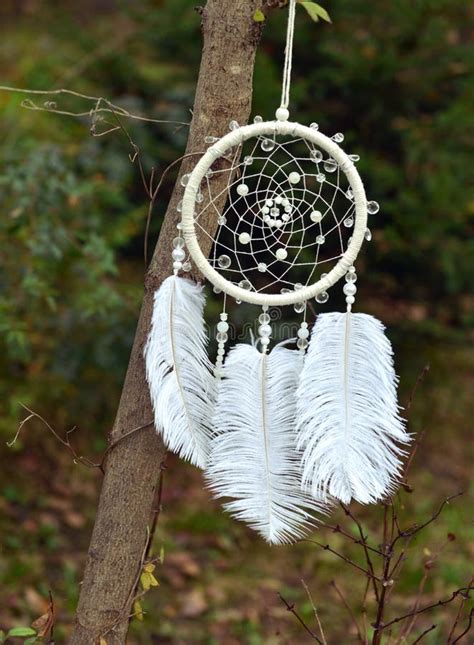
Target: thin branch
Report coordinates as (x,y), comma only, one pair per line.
(349,610)
(111,108)
(458,614)
(327,547)
(416,528)
(292,610)
(315,611)
(440,603)
(423,634)
(468,628)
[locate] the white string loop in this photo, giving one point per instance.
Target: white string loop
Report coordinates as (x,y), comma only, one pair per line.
(285,94)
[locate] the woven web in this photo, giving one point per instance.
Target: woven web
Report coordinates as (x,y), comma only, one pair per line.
(290,223)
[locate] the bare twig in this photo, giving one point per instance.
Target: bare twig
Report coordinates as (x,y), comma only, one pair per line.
(458,614)
(440,603)
(349,610)
(315,611)
(292,610)
(110,108)
(423,634)
(468,627)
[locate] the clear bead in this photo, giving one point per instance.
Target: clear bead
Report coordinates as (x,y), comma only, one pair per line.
(233,125)
(221,337)
(275,211)
(178,243)
(352,269)
(264,319)
(269,202)
(245,284)
(285,202)
(209,139)
(209,174)
(179,226)
(285,217)
(348,222)
(248,160)
(368,234)
(265,210)
(285,290)
(373,207)
(265,330)
(314,126)
(298,286)
(267,145)
(349,193)
(323,275)
(262,267)
(217,290)
(320,177)
(349,289)
(185,180)
(351,277)
(338,137)
(187,267)
(302,343)
(223,261)
(303,332)
(288,210)
(322,297)
(330,165)
(179,206)
(316,155)
(299,307)
(354,158)
(221,220)
(178,255)
(257,119)
(199,198)
(320,239)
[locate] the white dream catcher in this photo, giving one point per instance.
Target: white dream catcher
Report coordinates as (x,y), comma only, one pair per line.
(281,432)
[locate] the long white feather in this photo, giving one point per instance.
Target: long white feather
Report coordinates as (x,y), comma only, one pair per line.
(253,455)
(179,373)
(348,422)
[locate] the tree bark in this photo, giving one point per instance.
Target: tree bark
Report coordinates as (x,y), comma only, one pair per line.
(132,472)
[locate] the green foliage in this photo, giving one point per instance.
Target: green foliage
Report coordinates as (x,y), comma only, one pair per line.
(315,11)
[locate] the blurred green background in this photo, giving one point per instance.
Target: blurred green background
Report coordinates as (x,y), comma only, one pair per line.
(396,78)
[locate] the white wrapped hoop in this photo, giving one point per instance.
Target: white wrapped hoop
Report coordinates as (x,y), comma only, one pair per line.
(237,137)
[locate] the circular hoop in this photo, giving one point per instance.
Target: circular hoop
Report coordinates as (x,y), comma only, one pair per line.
(235,138)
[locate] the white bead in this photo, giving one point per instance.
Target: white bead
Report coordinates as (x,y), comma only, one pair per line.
(265,341)
(303,333)
(285,217)
(304,325)
(350,300)
(243,189)
(222,326)
(269,202)
(281,254)
(350,289)
(178,255)
(294,177)
(316,216)
(224,316)
(244,238)
(282,114)
(221,351)
(264,330)
(279,199)
(265,210)
(177,266)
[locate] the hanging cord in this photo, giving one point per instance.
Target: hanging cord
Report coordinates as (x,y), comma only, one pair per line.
(282,112)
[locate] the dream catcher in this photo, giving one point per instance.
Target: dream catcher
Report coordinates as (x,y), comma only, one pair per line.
(281,432)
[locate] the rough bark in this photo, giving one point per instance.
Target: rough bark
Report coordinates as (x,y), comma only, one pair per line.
(224,92)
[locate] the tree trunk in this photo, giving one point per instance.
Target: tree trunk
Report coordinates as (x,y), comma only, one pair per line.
(224,92)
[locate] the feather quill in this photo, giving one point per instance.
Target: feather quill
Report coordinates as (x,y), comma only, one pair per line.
(179,373)
(349,426)
(253,457)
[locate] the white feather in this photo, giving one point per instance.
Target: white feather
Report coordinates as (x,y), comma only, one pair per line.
(179,373)
(253,455)
(348,421)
